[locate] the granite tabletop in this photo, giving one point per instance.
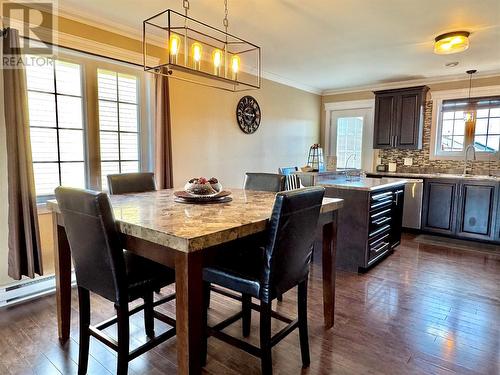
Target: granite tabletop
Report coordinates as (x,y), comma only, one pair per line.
(365,184)
(156,217)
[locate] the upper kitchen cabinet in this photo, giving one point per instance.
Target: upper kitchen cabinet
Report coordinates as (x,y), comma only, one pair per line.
(399,118)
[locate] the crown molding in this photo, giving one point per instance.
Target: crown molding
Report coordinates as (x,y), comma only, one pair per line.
(414,82)
(93,20)
(290,82)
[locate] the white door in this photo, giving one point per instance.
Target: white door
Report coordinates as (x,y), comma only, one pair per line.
(351,138)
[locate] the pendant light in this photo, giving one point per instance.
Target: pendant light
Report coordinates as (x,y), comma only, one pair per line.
(470,112)
(193,51)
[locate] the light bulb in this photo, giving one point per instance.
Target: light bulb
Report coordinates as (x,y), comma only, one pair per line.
(217,60)
(175,43)
(235,65)
(469,116)
(196,47)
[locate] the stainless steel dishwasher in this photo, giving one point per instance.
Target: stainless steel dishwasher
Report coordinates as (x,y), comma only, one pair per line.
(412,208)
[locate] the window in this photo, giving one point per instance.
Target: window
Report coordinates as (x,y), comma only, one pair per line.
(56,125)
(79,137)
(118,123)
(349,142)
(452,135)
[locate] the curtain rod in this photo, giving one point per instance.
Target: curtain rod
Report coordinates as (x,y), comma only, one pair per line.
(85,52)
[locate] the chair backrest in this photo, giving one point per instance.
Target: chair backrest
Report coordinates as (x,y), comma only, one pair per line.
(264,182)
(94,241)
(292,230)
(292,182)
(131,182)
(287,170)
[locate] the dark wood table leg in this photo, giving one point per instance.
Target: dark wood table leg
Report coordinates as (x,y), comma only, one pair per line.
(329,272)
(189,311)
(62,261)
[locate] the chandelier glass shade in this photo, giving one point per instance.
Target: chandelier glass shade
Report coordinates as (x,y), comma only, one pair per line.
(470,112)
(184,48)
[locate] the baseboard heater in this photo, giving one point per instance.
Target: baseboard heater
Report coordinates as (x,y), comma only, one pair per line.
(27,290)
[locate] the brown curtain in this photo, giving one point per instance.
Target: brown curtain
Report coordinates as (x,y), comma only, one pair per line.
(162,133)
(24,238)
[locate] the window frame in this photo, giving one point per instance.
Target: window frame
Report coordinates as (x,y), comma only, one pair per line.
(437,121)
(42,198)
(119,131)
(89,66)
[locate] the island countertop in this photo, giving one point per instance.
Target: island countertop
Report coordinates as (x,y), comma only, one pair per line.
(365,184)
(435,175)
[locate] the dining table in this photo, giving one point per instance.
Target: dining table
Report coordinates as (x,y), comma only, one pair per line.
(179,235)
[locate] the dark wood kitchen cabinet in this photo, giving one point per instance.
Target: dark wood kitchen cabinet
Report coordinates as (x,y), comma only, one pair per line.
(477,209)
(370,228)
(399,118)
(462,208)
(439,206)
(497,216)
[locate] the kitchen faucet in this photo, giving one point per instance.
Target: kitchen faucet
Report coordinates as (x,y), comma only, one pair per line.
(466,154)
(348,160)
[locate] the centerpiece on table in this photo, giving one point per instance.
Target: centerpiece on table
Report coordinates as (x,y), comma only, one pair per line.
(203,190)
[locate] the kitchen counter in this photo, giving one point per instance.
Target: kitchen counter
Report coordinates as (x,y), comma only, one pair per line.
(435,175)
(366,184)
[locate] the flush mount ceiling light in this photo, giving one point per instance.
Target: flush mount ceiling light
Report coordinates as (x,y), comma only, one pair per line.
(181,47)
(453,42)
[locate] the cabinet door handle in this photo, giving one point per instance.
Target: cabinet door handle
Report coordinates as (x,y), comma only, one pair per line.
(395,141)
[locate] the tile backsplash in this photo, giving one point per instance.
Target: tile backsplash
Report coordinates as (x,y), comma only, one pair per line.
(422,163)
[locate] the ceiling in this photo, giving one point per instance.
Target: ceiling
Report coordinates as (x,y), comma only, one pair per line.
(332,45)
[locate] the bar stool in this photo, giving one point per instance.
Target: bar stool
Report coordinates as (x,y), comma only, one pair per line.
(269,271)
(104,268)
(124,183)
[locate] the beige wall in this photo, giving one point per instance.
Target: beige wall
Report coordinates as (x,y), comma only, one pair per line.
(208,142)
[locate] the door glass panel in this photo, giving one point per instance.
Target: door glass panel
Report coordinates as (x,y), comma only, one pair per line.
(349,142)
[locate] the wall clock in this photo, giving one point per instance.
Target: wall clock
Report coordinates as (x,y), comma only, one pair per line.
(248,114)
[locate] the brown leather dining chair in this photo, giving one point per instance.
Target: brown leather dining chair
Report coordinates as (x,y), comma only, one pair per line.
(281,264)
(124,183)
(104,268)
(264,182)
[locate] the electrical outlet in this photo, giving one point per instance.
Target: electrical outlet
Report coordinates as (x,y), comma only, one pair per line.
(408,162)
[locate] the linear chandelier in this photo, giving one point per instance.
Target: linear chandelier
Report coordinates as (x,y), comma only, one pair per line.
(178,46)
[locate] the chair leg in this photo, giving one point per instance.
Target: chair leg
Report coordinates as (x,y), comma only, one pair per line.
(123,339)
(149,320)
(84,308)
(265,338)
(206,302)
(246,308)
(206,295)
(303,331)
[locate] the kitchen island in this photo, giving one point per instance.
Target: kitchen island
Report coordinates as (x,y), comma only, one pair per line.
(369,226)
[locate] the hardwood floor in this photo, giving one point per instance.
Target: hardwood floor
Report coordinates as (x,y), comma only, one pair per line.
(424,310)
